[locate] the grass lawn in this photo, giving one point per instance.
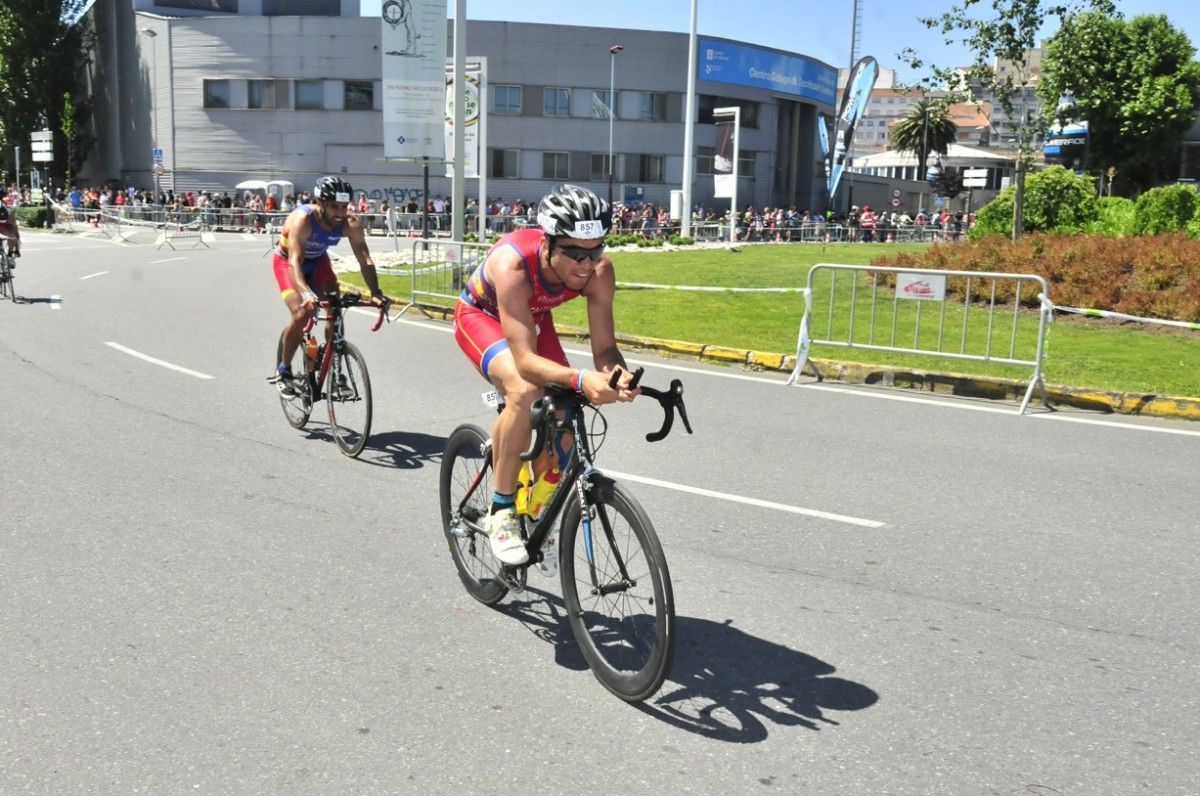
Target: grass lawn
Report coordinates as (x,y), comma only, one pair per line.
(1079,352)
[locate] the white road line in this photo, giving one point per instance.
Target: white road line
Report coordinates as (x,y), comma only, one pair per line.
(159,362)
(881,396)
(1115,424)
(765,504)
(55,303)
(89,276)
(168,260)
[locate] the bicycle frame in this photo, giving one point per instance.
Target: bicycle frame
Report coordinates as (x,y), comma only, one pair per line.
(333,315)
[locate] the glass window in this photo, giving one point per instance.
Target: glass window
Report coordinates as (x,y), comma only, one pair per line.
(216,93)
(706,154)
(599,166)
(295,8)
(228,6)
(602,106)
(358,95)
(506,99)
(260,93)
(650,168)
(556,102)
(310,95)
(504,164)
(652,107)
(554,165)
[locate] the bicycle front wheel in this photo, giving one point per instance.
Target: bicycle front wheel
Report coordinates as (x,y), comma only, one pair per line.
(298,408)
(465,492)
(348,395)
(618,592)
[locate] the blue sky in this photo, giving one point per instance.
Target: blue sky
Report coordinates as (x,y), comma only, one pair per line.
(820,30)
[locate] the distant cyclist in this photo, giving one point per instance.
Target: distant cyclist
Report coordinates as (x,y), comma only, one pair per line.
(302,266)
(10,232)
(502,322)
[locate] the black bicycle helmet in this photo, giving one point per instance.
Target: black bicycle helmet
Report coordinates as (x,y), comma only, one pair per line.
(333,189)
(570,211)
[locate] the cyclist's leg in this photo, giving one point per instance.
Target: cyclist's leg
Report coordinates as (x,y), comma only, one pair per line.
(294,329)
(324,283)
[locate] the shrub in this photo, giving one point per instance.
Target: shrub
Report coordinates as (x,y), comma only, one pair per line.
(1157,277)
(1165,209)
(1114,216)
(34,217)
(1056,200)
(680,240)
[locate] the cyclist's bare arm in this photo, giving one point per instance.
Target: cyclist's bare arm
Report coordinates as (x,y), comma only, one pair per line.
(358,245)
(600,292)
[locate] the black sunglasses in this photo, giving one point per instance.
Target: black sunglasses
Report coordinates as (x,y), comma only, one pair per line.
(579,254)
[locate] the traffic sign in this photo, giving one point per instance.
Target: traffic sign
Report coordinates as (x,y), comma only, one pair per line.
(158,169)
(42,146)
(973,173)
(43,157)
(896,193)
(975,182)
(895,201)
(157,154)
(41,135)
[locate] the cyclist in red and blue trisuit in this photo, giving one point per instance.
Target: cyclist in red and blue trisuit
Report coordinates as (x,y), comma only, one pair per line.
(10,232)
(302,265)
(503,323)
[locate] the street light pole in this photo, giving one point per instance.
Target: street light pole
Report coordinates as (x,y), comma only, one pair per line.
(153,34)
(612,112)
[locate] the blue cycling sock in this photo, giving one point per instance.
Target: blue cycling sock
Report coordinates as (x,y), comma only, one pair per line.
(501,501)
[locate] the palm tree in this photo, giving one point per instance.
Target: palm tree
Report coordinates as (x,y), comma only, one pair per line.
(926,128)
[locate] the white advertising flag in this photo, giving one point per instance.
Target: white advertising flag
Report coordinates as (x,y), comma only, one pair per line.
(413,51)
(476,81)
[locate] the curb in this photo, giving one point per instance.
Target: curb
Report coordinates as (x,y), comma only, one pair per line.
(935,382)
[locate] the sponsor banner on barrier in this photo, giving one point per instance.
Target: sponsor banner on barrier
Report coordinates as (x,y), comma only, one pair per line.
(923,287)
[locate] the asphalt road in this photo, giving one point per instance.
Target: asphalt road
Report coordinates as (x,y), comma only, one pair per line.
(877,592)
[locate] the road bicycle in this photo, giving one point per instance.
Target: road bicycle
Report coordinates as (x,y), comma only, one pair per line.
(7,262)
(614,577)
(338,363)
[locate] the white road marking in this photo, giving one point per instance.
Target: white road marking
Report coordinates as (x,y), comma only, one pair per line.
(864,393)
(55,303)
(765,504)
(159,362)
(89,276)
(168,260)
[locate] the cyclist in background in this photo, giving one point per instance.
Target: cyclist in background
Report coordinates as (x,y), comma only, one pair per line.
(302,265)
(503,323)
(10,232)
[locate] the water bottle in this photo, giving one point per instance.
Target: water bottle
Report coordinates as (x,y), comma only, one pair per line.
(310,352)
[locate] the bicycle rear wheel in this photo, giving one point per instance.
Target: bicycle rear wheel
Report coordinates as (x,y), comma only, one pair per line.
(624,619)
(6,279)
(297,409)
(348,396)
(466,467)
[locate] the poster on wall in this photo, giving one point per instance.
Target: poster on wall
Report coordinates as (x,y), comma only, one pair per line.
(413,51)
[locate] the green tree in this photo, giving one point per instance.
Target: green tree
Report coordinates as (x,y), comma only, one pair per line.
(1165,209)
(42,56)
(948,183)
(1135,84)
(999,43)
(924,129)
(1056,200)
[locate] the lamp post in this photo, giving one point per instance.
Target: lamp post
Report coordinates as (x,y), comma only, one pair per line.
(612,112)
(153,34)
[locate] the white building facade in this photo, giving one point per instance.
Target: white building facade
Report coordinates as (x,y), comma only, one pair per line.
(231,90)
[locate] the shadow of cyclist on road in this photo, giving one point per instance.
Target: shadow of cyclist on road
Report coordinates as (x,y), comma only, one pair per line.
(404,450)
(727,685)
(545,615)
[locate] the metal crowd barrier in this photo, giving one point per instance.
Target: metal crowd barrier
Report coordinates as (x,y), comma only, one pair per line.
(440,268)
(193,231)
(911,311)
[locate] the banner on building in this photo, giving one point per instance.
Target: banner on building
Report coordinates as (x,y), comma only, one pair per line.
(413,49)
(859,84)
(475,77)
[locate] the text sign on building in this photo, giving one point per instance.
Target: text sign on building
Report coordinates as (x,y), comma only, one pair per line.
(413,49)
(726,62)
(475,94)
(923,287)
